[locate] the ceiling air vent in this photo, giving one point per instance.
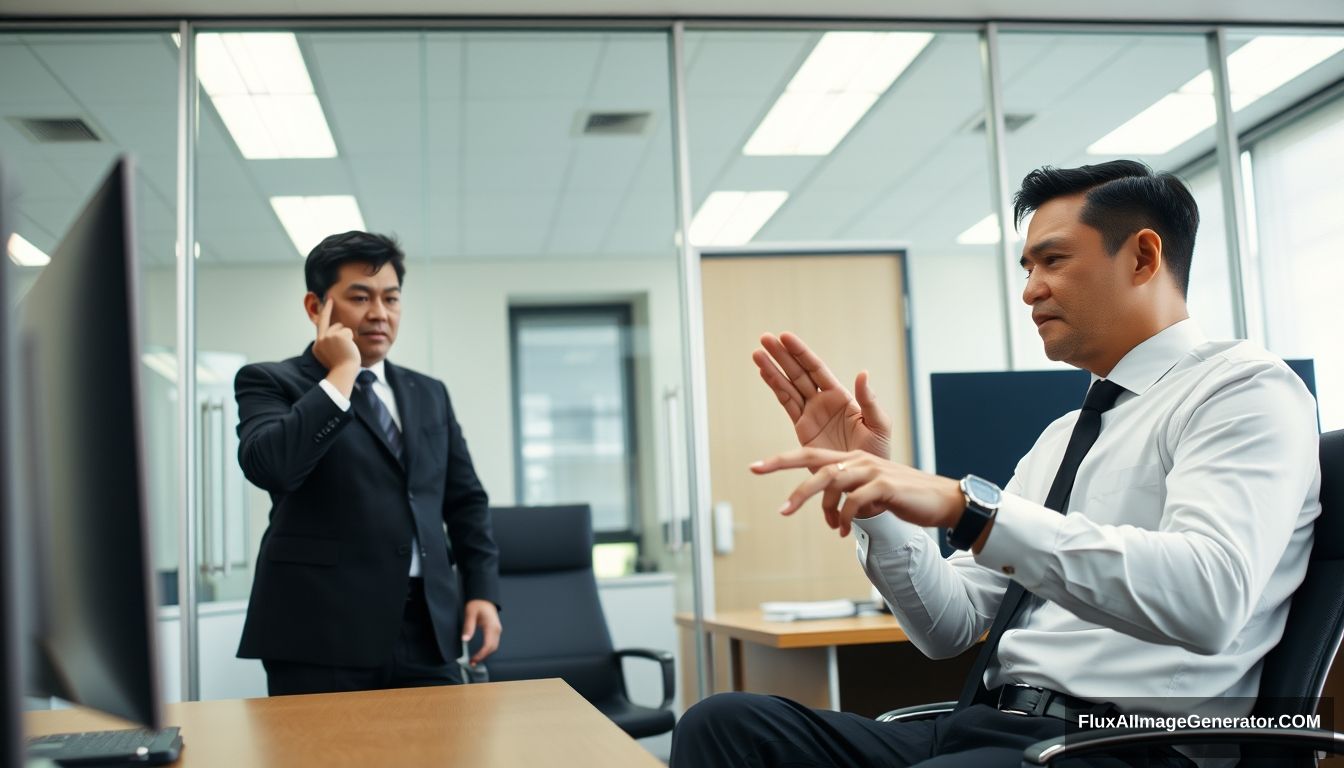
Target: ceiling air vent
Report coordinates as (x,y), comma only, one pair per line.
(615,123)
(55,130)
(1011,122)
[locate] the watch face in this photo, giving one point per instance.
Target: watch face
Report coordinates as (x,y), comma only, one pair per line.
(982,491)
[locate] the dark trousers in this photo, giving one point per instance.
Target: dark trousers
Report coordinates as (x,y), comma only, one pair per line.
(747,729)
(416,661)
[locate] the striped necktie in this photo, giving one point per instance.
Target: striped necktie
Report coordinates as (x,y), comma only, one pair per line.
(365,380)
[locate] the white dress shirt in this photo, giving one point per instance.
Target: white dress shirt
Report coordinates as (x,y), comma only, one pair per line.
(1189,527)
(389,398)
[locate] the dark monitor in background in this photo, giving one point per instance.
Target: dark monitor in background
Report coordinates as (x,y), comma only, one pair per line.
(79,457)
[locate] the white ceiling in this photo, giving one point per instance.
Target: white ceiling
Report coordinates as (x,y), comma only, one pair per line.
(1282,11)
(465,144)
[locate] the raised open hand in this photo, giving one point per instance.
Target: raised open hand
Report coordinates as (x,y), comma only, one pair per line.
(824,413)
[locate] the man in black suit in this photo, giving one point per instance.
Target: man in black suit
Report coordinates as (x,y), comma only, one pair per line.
(365,463)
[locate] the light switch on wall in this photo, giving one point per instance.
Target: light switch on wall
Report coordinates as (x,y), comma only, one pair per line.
(723,528)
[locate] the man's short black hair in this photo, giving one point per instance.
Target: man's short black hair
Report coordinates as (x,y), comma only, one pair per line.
(323,267)
(1123,197)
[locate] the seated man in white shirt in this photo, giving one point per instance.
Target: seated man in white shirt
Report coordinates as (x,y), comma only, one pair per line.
(1190,501)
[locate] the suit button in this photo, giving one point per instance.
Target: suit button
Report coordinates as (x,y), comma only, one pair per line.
(404,549)
(423,553)
(410,496)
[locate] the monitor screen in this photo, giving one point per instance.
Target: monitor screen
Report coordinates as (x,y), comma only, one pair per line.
(83,491)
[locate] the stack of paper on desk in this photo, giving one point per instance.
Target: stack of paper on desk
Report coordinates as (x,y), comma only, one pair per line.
(817,609)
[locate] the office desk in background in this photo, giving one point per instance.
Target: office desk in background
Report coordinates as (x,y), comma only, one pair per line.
(862,664)
(532,722)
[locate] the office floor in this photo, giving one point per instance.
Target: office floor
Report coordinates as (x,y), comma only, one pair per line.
(659,746)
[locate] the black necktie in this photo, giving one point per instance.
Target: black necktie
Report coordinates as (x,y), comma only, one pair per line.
(375,404)
(1100,398)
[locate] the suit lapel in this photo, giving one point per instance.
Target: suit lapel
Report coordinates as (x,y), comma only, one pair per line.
(308,364)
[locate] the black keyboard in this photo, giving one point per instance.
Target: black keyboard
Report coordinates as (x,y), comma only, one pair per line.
(136,746)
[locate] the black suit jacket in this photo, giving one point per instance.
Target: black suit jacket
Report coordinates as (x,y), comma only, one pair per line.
(331,575)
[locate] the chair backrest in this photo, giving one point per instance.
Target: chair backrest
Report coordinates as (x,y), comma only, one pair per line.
(1295,670)
(553,621)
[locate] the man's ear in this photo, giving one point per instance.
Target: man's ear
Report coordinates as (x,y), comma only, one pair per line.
(312,305)
(1147,256)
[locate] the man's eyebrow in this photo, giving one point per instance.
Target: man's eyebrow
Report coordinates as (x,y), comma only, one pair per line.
(370,289)
(1048,244)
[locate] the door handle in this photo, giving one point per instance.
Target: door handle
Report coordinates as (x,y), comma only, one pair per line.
(676,539)
(208,564)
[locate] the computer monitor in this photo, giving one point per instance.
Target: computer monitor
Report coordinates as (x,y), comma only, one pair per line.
(79,457)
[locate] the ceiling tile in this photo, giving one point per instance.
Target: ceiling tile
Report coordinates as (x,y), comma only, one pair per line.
(531,65)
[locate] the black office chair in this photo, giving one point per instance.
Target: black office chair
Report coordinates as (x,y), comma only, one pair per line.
(1294,671)
(553,620)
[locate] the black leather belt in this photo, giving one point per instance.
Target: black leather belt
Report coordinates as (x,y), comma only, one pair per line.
(1042,702)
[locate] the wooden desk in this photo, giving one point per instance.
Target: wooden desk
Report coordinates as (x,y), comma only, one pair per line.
(531,722)
(863,664)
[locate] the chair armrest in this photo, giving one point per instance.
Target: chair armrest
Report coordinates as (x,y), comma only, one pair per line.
(917,712)
(1044,752)
(663,658)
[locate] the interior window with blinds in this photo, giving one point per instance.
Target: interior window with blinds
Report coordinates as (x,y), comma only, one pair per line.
(574,420)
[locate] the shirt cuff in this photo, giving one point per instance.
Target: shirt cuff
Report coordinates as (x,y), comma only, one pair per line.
(1022,541)
(335,394)
(882,533)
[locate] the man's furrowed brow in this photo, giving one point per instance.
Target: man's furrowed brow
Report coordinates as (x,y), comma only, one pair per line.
(1037,248)
(371,289)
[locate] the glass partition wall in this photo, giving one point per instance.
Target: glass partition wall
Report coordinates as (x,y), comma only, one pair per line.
(568,172)
(67,116)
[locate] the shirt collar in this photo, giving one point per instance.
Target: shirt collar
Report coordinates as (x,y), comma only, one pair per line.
(379,370)
(1148,362)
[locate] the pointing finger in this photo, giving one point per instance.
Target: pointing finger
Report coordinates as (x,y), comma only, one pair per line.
(324,316)
(812,458)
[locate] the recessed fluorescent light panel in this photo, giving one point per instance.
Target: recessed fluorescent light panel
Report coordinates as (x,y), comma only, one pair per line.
(25,254)
(310,219)
(986,231)
(846,73)
(1255,69)
(733,218)
(259,84)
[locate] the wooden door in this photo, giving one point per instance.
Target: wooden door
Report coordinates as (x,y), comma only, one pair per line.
(850,309)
